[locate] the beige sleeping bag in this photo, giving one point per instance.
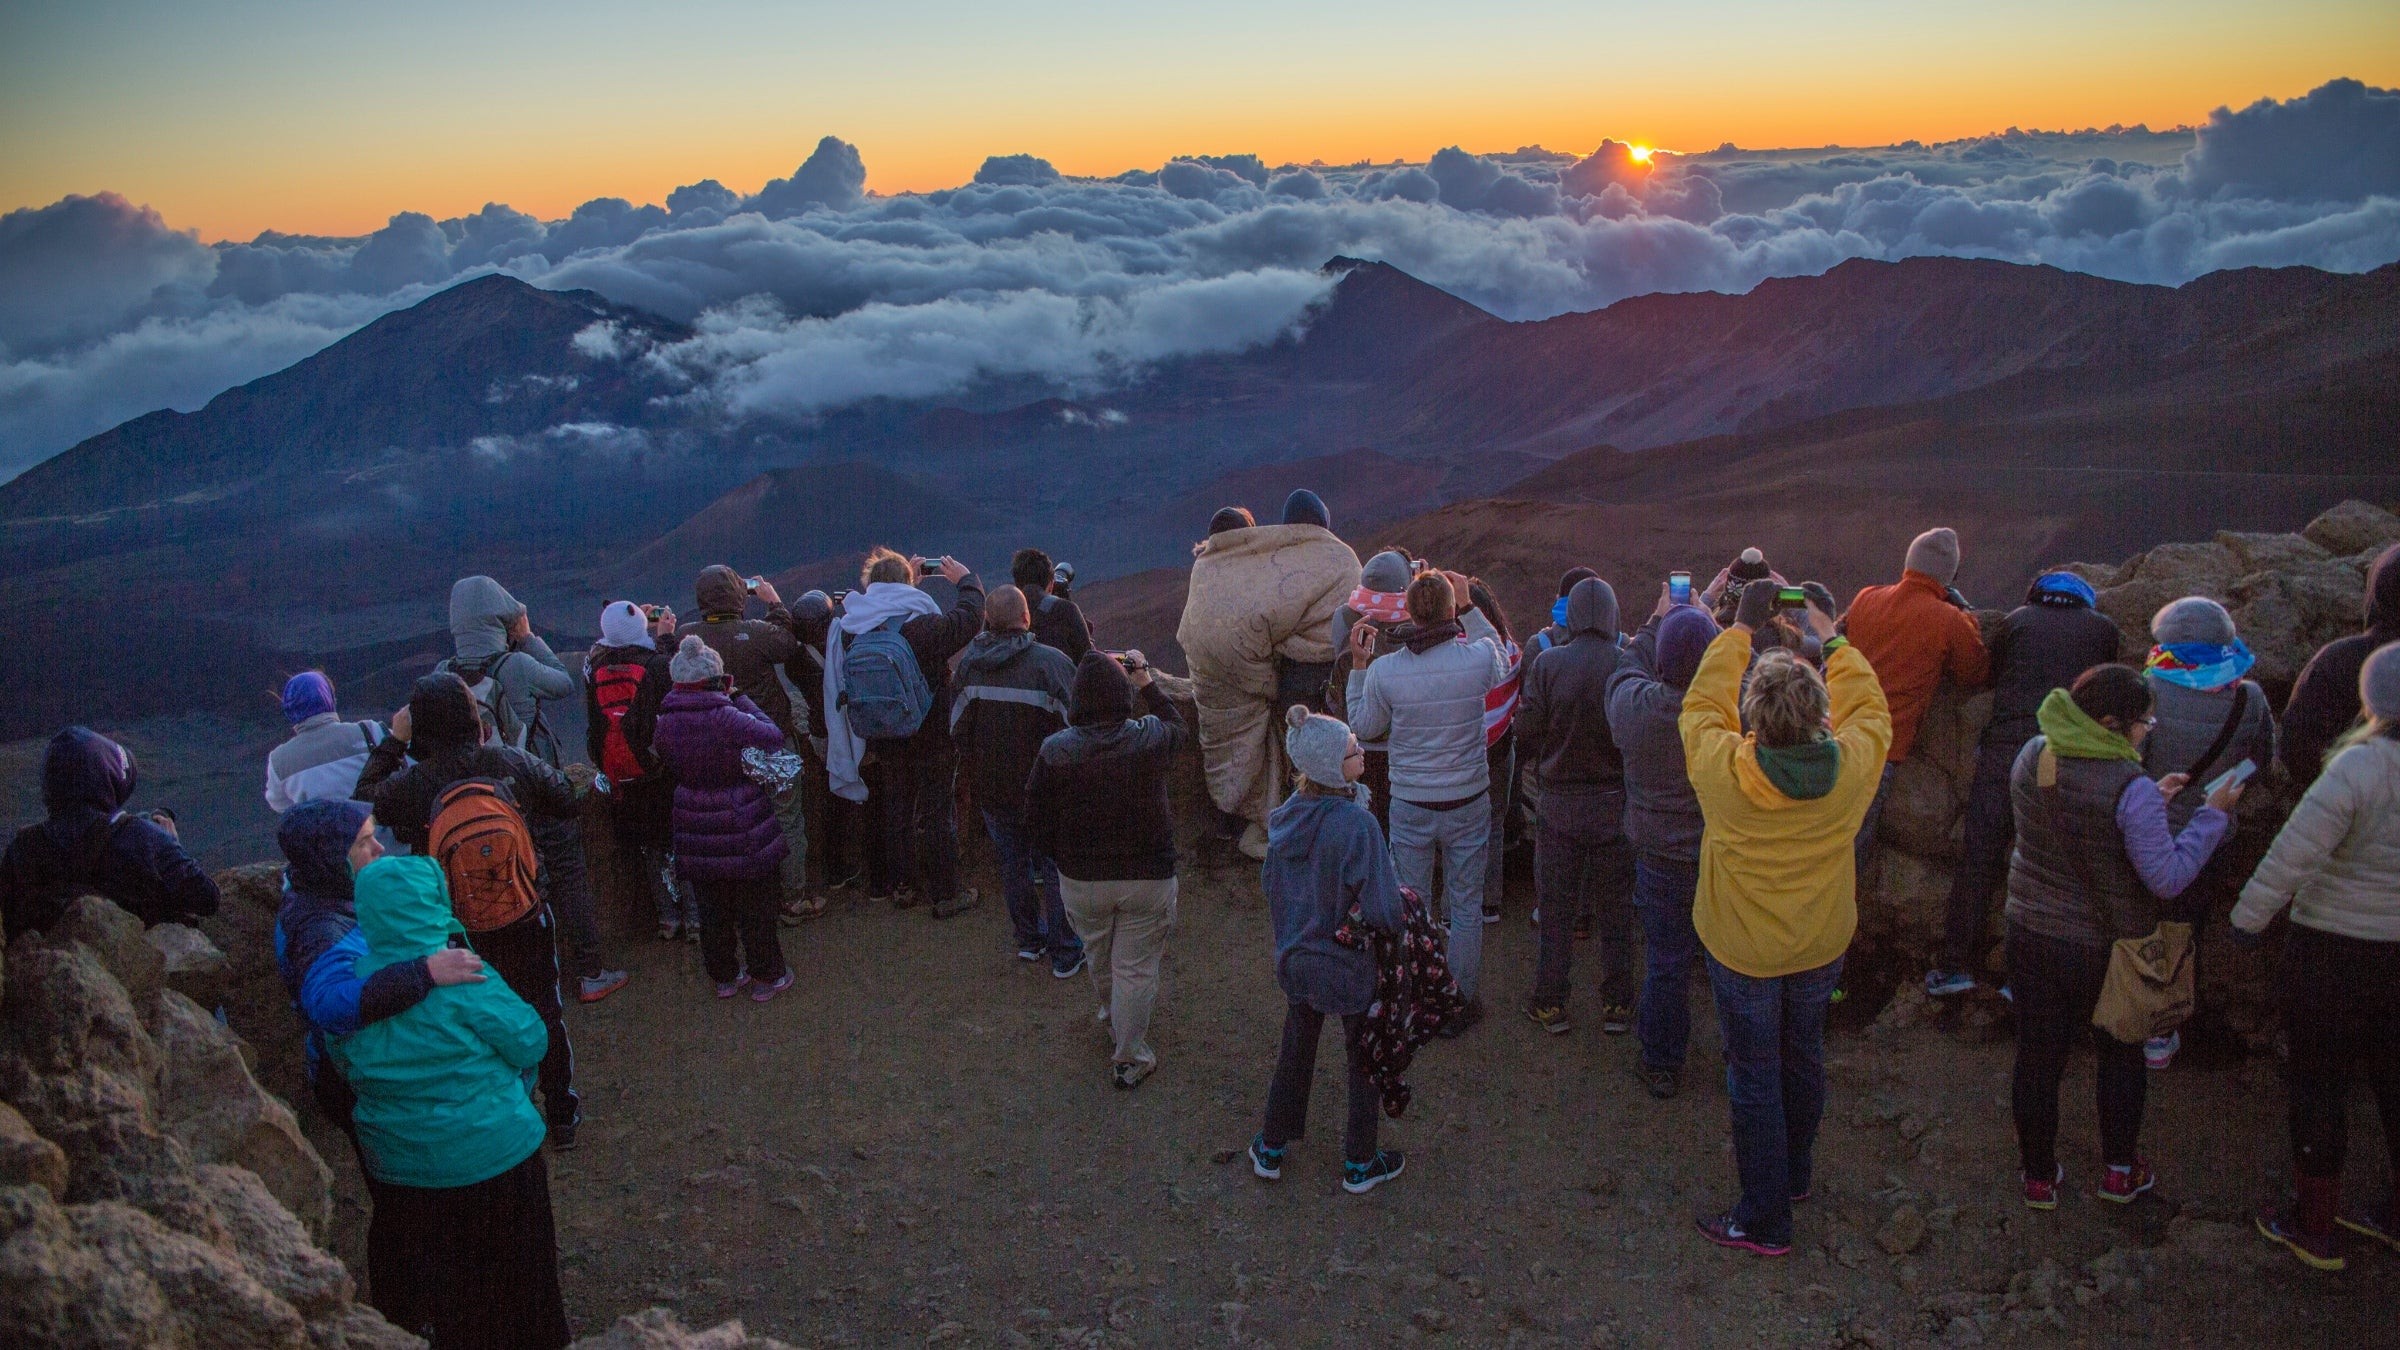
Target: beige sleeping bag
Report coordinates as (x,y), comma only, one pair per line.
(1256,594)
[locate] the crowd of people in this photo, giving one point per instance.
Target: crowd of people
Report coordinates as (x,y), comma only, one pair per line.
(1373,733)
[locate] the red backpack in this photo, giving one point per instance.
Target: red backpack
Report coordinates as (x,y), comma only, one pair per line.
(614,688)
(486,854)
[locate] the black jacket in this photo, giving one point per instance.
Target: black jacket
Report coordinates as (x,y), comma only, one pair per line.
(2324,703)
(1012,695)
(403,797)
(1562,713)
(89,843)
(1057,622)
(935,638)
(641,720)
(1097,799)
(2041,646)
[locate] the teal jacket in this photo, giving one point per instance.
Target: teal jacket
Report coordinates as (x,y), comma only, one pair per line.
(442,1095)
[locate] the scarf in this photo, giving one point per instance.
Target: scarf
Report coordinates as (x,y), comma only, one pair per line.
(2073,734)
(871,608)
(2201,665)
(1425,638)
(1379,606)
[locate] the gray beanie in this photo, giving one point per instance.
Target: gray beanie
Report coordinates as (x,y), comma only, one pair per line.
(1317,745)
(2194,618)
(696,662)
(1935,553)
(2379,682)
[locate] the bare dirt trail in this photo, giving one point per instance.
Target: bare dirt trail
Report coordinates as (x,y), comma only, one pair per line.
(918,1143)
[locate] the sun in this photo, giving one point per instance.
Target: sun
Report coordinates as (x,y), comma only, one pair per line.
(1641,153)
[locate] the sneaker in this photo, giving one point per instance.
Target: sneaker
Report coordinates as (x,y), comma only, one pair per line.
(562,1132)
(1266,1162)
(594,988)
(1129,1076)
(1360,1178)
(2317,1251)
(1550,1017)
(1463,1023)
(1491,914)
(1661,1083)
(669,930)
(1535,918)
(2043,1195)
(1031,953)
(1725,1231)
(691,933)
(729,990)
(906,897)
(2159,1051)
(1840,992)
(1071,967)
(1946,983)
(762,993)
(2122,1185)
(2379,1227)
(1616,1018)
(958,904)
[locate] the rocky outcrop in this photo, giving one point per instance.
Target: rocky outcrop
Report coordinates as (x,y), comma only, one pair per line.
(2289,594)
(658,1329)
(151,1192)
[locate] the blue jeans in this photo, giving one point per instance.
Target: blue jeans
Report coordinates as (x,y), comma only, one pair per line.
(1662,895)
(1460,839)
(1029,882)
(1863,846)
(1775,1074)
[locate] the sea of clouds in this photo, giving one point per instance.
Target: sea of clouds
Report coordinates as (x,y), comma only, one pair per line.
(812,293)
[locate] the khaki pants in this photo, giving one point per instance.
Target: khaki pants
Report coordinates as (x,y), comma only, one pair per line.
(1124,926)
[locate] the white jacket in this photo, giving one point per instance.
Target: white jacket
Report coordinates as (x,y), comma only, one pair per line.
(320,762)
(1428,707)
(2337,861)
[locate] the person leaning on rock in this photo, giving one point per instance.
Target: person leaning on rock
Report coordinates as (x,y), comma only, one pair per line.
(2324,703)
(90,842)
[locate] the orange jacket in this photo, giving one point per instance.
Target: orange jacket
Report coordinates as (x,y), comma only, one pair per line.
(1913,635)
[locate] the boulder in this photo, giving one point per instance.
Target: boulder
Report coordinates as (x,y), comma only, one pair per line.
(194,967)
(273,1246)
(359,1328)
(658,1329)
(208,1100)
(27,1159)
(1921,813)
(109,1275)
(2269,552)
(1906,905)
(65,1011)
(2354,527)
(116,938)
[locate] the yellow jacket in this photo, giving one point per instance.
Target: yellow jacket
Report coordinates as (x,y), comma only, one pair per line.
(1778,881)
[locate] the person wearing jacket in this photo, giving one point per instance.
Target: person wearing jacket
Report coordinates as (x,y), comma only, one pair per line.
(1915,634)
(1663,825)
(1580,856)
(1325,859)
(1057,622)
(2209,719)
(641,803)
(727,842)
(1096,804)
(89,842)
(1500,743)
(2337,864)
(1777,901)
(752,649)
(2324,703)
(462,1248)
(1427,701)
(912,821)
(441,730)
(2094,858)
(2042,645)
(321,760)
(1380,602)
(836,824)
(1012,696)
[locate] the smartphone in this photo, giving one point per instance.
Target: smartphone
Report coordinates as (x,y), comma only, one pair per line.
(751,584)
(1679,588)
(651,612)
(2238,774)
(1791,597)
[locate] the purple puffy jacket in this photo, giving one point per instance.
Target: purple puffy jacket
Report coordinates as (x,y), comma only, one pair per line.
(725,828)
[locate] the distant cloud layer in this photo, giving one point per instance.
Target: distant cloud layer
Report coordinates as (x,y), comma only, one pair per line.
(812,293)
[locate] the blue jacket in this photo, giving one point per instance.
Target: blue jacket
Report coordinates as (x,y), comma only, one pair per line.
(1325,854)
(317,943)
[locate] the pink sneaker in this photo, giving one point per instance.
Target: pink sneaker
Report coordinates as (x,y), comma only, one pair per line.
(2124,1185)
(729,990)
(763,993)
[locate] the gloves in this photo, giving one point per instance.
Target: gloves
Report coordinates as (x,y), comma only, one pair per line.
(1822,597)
(1757,605)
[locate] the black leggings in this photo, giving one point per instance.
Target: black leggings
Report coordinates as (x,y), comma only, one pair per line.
(2056,984)
(737,929)
(2343,1000)
(1296,1068)
(525,955)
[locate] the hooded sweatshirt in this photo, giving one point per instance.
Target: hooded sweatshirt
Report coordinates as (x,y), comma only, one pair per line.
(443,1097)
(1645,705)
(2324,703)
(317,943)
(89,844)
(1381,598)
(1913,637)
(752,648)
(1778,887)
(1325,853)
(1562,717)
(1012,695)
(528,672)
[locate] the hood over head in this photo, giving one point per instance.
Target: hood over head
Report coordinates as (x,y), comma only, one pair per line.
(1683,638)
(481,611)
(1101,694)
(1387,572)
(720,591)
(1592,608)
(989,650)
(1304,507)
(442,712)
(86,779)
(2383,595)
(306,695)
(403,909)
(315,838)
(814,608)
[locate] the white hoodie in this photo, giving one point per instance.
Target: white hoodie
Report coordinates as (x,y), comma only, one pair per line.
(878,604)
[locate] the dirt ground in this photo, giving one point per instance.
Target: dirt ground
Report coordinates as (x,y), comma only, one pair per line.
(919,1144)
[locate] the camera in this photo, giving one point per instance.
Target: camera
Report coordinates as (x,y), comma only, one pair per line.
(1062,578)
(1126,660)
(651,612)
(1791,597)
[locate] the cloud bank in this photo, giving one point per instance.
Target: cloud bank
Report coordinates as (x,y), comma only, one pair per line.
(812,293)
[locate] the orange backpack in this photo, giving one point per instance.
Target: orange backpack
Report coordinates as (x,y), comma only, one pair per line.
(486,853)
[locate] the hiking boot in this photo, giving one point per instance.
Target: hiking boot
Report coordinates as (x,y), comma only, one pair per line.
(1129,1076)
(1360,1178)
(562,1132)
(739,982)
(1946,983)
(2317,1251)
(2123,1185)
(1071,967)
(2377,1226)
(1550,1017)
(1266,1162)
(764,993)
(593,988)
(1463,1023)
(2158,1053)
(2043,1195)
(1661,1083)
(1616,1018)
(1725,1231)
(958,904)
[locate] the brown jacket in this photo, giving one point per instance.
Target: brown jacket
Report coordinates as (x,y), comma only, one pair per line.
(752,648)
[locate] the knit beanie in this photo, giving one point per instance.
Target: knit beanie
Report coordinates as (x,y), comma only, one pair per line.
(695,662)
(1317,745)
(1935,553)
(305,695)
(813,608)
(1231,518)
(442,711)
(2379,682)
(1304,507)
(624,624)
(1751,566)
(1683,638)
(1101,694)
(2194,618)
